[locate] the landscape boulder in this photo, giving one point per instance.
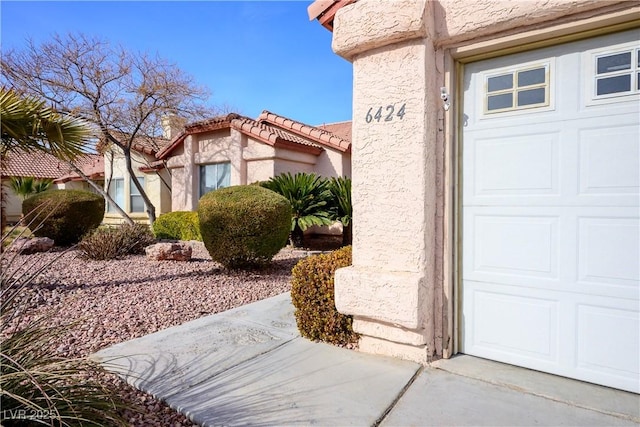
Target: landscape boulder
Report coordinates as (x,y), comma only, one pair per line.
(169,251)
(27,246)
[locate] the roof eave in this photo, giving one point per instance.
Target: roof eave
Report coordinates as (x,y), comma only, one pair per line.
(325,11)
(340,144)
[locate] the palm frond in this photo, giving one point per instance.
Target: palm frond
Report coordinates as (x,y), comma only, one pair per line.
(308,194)
(341,208)
(27,123)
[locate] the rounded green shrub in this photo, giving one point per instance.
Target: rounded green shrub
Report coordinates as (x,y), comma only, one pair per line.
(179,225)
(63,215)
(244,226)
(313,296)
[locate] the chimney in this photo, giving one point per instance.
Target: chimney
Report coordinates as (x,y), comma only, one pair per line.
(172,125)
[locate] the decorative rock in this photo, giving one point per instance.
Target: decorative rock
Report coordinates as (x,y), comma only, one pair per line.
(169,251)
(33,245)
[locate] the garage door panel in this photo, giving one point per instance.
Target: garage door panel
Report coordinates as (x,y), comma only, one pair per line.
(608,250)
(608,342)
(524,165)
(502,324)
(551,216)
(516,245)
(599,149)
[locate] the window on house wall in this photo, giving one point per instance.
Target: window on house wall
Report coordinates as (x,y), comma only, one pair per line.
(116,192)
(214,176)
(518,89)
(136,200)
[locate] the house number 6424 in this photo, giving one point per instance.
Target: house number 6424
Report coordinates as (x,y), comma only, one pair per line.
(385,113)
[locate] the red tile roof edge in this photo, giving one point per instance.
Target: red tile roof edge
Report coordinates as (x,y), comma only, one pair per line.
(253,128)
(321,136)
(142,144)
(44,165)
(247,126)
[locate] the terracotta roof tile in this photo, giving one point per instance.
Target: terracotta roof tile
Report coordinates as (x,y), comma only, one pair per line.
(321,136)
(274,136)
(43,165)
(92,165)
(342,129)
(142,144)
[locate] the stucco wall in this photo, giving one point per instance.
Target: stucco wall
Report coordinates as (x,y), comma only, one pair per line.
(465,20)
(12,202)
(178,189)
(371,24)
(287,166)
(333,163)
(260,170)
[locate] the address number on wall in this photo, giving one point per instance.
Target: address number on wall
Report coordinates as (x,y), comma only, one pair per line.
(386,114)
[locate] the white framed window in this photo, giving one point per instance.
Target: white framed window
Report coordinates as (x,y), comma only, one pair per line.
(136,202)
(116,192)
(214,176)
(522,88)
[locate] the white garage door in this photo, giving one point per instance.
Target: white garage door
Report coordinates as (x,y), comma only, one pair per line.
(551,228)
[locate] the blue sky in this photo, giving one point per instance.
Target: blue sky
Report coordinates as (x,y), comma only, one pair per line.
(252,55)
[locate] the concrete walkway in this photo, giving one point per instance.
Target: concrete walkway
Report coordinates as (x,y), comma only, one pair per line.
(249,366)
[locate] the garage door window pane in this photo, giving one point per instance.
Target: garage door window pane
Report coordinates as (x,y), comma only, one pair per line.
(531,97)
(616,73)
(531,77)
(500,83)
(612,63)
(519,89)
(499,102)
(614,85)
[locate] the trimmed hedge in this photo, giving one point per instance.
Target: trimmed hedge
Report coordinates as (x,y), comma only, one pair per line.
(313,296)
(244,226)
(63,215)
(179,225)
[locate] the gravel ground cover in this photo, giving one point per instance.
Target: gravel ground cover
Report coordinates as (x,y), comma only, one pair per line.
(114,301)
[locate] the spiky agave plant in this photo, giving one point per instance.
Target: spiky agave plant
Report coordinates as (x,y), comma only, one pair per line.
(309,196)
(36,385)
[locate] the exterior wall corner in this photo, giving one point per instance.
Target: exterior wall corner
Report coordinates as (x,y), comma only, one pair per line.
(370,24)
(390,288)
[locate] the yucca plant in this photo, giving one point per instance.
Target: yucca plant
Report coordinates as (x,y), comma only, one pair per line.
(25,186)
(341,209)
(38,387)
(309,196)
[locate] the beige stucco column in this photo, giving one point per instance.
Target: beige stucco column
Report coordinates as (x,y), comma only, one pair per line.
(390,287)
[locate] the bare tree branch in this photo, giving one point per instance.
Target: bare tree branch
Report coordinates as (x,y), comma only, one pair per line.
(124,94)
